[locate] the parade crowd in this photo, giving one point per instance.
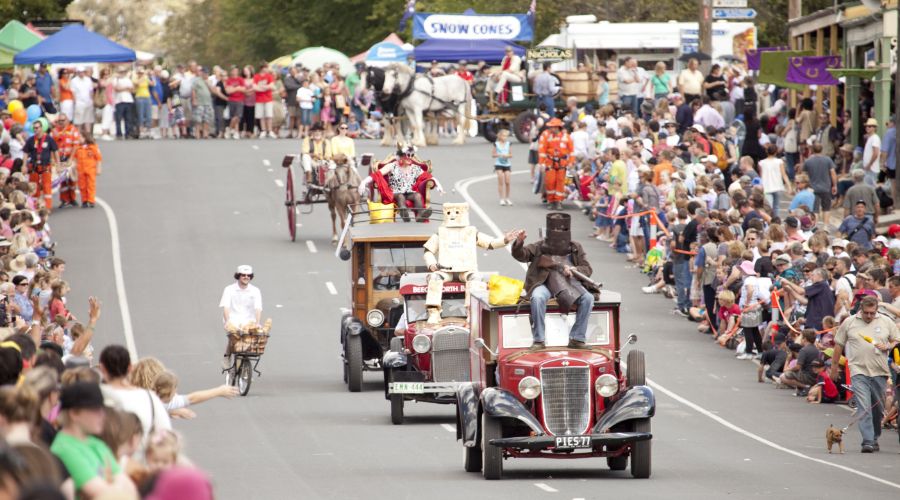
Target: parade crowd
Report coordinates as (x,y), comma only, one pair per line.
(764,231)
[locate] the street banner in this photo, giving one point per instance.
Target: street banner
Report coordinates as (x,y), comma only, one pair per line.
(472,27)
(753,55)
(813,70)
(773,67)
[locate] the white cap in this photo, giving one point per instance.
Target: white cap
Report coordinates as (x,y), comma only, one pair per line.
(712,159)
(699,128)
(839,243)
(244,269)
(80,67)
(882,239)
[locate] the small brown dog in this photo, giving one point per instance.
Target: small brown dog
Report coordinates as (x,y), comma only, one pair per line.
(834,435)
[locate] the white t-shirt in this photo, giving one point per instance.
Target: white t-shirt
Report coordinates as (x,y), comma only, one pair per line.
(305,97)
(138,401)
(626,86)
(83,89)
(177,402)
(123,95)
(242,303)
(690,82)
(770,171)
(871,143)
(581,142)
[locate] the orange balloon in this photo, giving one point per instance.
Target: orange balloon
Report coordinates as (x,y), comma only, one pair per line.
(20,116)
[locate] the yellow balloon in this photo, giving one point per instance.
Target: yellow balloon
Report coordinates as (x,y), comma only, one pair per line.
(14,105)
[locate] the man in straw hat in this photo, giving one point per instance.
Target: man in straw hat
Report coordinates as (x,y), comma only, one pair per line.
(872,152)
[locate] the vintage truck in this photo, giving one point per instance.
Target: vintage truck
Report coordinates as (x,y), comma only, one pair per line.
(555,402)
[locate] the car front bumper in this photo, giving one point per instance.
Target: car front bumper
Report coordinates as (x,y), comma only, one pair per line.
(609,440)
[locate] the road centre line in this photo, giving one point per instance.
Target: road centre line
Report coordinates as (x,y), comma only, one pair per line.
(463,185)
(254,146)
(448,428)
(546,487)
(311,246)
(279,183)
(266,163)
(331,289)
(119,279)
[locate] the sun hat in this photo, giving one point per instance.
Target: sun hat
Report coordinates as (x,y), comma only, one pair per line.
(711,159)
(871,122)
(838,242)
(81,395)
(783,259)
(18,264)
(747,268)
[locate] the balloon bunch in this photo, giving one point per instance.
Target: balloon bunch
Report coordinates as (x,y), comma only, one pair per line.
(27,116)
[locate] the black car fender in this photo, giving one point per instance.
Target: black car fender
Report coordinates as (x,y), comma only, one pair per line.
(350,326)
(467,416)
(393,359)
(637,402)
(501,403)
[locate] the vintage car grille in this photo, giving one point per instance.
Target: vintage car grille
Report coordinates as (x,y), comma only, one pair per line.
(566,398)
(450,355)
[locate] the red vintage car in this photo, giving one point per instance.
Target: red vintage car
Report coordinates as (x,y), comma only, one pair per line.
(556,402)
(427,362)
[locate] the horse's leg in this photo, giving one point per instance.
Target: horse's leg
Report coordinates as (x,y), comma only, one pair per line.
(416,123)
(388,136)
(462,123)
(433,128)
(332,208)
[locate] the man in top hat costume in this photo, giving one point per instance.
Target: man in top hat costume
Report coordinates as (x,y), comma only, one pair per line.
(557,268)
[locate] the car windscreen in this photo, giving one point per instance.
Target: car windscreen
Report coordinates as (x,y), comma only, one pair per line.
(517,329)
(389,262)
(452,306)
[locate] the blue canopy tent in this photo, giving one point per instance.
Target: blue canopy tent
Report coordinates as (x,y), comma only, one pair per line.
(491,51)
(72,44)
(384,53)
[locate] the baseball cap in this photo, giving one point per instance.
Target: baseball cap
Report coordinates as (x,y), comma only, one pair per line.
(711,159)
(699,128)
(893,229)
(882,239)
(81,395)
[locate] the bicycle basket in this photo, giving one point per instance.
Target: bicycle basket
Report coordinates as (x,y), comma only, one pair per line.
(251,343)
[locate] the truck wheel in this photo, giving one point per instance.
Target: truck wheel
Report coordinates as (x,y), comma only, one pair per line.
(617,463)
(640,453)
(635,374)
(471,455)
(491,456)
(354,363)
(522,126)
(397,409)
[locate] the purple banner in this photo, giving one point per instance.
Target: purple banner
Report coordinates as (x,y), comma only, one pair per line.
(753,55)
(812,70)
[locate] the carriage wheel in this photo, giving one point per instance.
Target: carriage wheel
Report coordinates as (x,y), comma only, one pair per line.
(290,203)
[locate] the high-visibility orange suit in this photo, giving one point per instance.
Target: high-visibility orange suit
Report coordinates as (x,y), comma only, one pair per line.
(555,154)
(87,159)
(67,139)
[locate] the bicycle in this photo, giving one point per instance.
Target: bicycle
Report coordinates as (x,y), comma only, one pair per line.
(247,350)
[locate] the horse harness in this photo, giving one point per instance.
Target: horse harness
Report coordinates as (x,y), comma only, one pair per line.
(410,87)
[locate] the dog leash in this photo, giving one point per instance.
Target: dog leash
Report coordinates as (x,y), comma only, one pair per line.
(858,417)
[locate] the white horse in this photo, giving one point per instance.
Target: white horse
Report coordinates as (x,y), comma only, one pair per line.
(445,95)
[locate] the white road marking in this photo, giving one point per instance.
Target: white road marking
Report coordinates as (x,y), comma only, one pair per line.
(448,427)
(713,375)
(237,213)
(120,280)
(266,163)
(546,487)
(254,146)
(331,289)
(463,185)
(311,246)
(269,170)
(278,306)
(279,183)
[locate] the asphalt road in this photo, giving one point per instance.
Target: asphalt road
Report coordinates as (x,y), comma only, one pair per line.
(188,212)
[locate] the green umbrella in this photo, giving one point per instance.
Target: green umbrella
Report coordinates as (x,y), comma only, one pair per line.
(315,57)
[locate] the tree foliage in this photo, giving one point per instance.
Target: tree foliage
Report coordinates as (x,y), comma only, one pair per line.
(249,31)
(30,10)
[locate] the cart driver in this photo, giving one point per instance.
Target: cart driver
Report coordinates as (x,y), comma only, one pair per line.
(554,266)
(316,149)
(241,305)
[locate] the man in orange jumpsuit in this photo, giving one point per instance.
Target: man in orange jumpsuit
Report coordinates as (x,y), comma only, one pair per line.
(67,140)
(555,155)
(41,156)
(87,161)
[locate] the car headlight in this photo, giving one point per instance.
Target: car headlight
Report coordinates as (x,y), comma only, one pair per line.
(606,385)
(375,318)
(354,328)
(530,387)
(421,343)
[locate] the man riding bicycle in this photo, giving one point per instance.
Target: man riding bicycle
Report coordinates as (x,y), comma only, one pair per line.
(241,307)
